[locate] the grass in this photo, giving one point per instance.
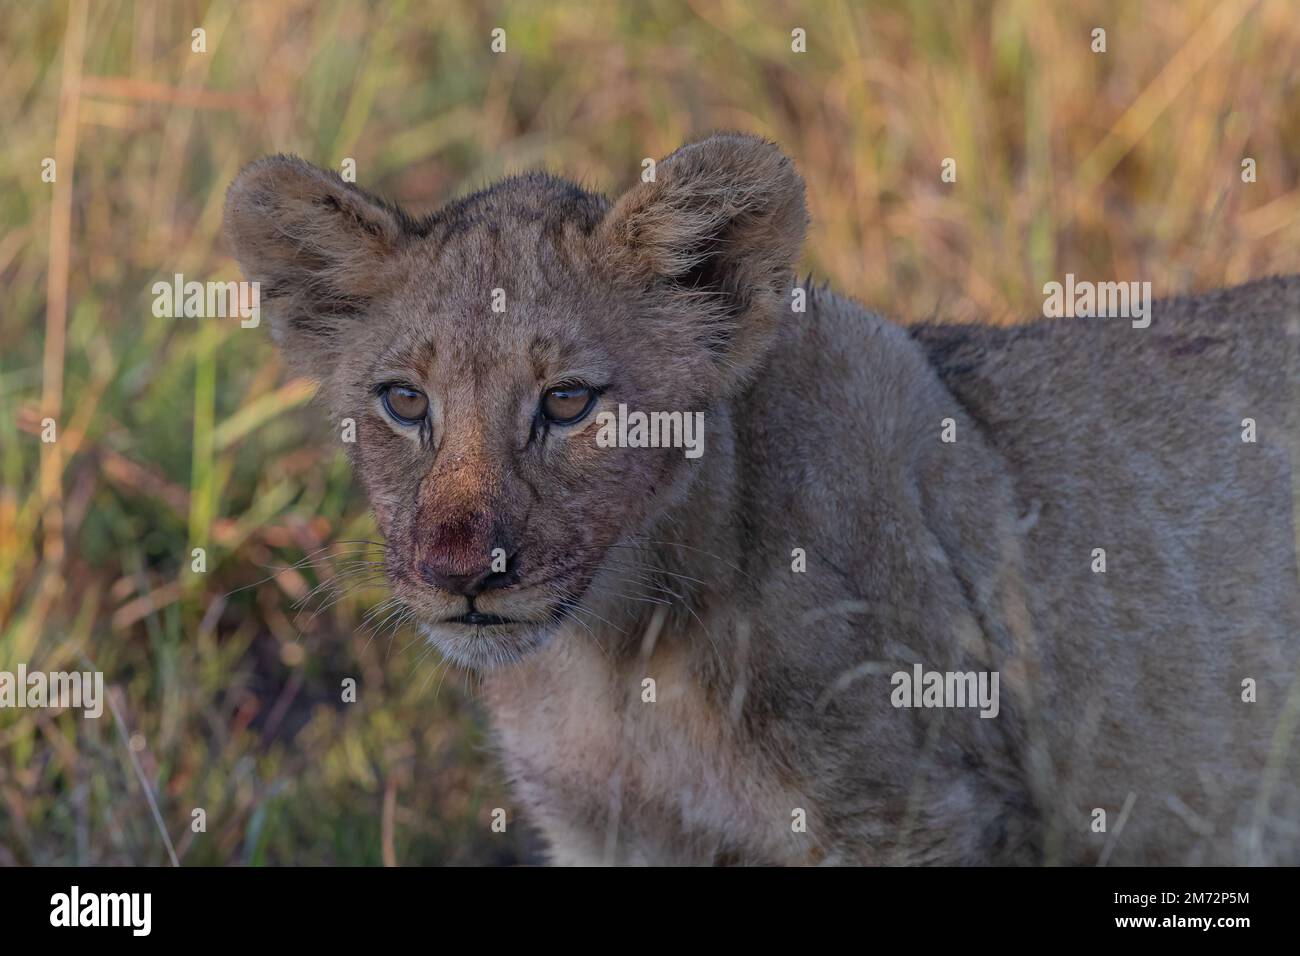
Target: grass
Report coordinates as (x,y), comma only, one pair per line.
(175,434)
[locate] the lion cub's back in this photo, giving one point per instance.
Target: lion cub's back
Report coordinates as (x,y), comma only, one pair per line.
(1166,456)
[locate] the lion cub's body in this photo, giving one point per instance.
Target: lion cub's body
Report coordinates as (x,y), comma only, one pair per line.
(691,660)
(773,693)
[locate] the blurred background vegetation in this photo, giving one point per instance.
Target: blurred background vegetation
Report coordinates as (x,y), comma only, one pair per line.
(182,433)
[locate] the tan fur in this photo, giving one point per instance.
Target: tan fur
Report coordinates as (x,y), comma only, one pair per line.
(772,687)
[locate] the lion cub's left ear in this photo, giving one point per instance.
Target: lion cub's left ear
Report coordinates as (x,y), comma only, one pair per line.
(716,235)
(323,251)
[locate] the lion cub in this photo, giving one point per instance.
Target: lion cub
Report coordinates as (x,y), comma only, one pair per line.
(927,594)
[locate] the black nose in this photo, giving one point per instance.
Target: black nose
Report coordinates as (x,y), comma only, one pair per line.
(457,581)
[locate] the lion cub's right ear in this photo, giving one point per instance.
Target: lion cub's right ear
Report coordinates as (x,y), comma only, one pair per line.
(321,249)
(715,234)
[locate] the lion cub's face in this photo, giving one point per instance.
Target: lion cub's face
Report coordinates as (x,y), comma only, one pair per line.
(476,350)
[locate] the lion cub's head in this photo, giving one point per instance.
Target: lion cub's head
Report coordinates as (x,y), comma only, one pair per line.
(475,349)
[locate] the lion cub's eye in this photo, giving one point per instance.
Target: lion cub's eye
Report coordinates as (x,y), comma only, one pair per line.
(406,405)
(566,404)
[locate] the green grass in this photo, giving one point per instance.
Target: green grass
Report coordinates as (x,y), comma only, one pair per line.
(176,434)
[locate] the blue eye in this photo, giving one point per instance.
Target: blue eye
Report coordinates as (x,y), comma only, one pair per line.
(405,405)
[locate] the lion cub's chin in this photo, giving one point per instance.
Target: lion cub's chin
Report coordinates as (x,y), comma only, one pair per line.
(484,647)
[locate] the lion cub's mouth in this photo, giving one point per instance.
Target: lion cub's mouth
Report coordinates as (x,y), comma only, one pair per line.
(480,619)
(482,641)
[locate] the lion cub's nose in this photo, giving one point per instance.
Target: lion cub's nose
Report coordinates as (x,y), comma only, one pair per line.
(469,585)
(464,557)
